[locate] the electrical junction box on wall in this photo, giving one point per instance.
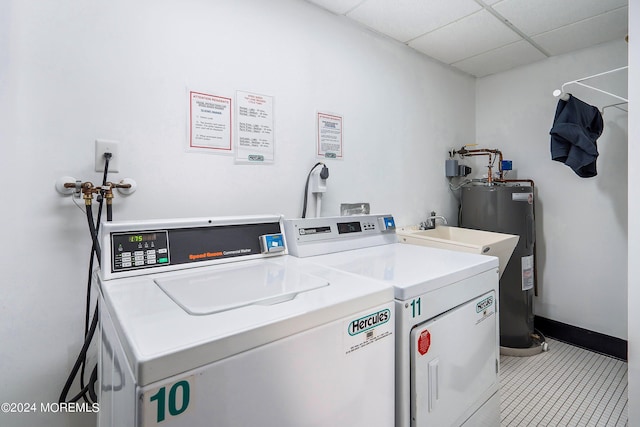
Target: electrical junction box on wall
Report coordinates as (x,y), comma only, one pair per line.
(105,146)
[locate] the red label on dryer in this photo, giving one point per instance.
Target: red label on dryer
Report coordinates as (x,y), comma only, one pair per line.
(424,342)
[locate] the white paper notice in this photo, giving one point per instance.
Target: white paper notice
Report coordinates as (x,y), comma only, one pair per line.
(329,136)
(527,272)
(210,122)
(255,128)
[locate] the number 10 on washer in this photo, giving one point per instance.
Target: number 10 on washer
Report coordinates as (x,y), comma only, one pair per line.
(166,402)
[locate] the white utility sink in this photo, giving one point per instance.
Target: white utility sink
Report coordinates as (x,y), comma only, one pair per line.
(463,240)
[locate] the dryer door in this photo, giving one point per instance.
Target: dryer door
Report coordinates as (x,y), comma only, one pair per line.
(454,363)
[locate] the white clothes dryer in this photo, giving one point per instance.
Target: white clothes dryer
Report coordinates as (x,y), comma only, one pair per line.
(447,340)
(208,322)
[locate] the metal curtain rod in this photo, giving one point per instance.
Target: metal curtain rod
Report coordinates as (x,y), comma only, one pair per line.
(560,93)
(616,105)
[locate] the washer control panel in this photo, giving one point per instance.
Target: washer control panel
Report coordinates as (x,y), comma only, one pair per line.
(137,250)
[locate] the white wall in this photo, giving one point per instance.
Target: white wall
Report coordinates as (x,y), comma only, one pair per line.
(73,71)
(634,215)
(581,223)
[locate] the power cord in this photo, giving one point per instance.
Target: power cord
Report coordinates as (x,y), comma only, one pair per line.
(324,174)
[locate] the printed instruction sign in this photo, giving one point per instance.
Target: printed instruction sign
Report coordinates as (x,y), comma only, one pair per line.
(255,136)
(210,123)
(329,139)
(527,272)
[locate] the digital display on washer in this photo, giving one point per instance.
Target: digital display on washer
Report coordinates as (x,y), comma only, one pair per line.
(349,227)
(136,250)
(134,238)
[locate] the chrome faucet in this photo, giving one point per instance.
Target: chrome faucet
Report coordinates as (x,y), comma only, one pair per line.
(430,223)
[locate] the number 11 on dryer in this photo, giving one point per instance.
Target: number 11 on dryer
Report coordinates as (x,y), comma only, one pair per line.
(415,307)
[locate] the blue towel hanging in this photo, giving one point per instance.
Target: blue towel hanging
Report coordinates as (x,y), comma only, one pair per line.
(576,128)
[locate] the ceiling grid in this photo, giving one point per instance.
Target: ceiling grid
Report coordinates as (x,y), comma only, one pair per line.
(482,37)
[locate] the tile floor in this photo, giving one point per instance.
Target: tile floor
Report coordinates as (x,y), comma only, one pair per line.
(567,386)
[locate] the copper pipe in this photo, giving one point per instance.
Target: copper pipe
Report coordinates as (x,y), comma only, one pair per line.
(86,186)
(484,151)
(88,189)
(119,185)
(108,193)
(489,177)
(87,193)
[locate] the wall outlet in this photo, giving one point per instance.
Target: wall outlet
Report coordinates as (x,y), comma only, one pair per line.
(104,146)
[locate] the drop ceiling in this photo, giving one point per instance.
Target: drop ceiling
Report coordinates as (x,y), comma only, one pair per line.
(482,37)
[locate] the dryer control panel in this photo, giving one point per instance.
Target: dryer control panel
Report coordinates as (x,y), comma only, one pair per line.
(316,236)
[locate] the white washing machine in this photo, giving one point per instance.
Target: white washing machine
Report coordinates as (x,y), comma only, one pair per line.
(447,338)
(208,322)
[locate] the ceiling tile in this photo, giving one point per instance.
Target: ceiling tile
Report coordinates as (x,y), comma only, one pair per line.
(470,36)
(406,19)
(501,59)
(337,6)
(464,35)
(535,17)
(610,26)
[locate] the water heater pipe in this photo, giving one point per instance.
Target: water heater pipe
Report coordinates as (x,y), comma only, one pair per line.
(463,152)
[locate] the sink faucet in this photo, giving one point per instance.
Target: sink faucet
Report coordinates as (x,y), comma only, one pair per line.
(430,223)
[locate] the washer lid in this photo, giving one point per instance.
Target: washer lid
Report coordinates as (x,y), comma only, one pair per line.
(412,270)
(160,339)
(216,291)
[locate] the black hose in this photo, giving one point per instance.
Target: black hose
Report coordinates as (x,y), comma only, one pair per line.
(90,274)
(95,243)
(95,248)
(107,157)
(81,357)
(88,306)
(89,331)
(93,380)
(89,388)
(94,235)
(83,392)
